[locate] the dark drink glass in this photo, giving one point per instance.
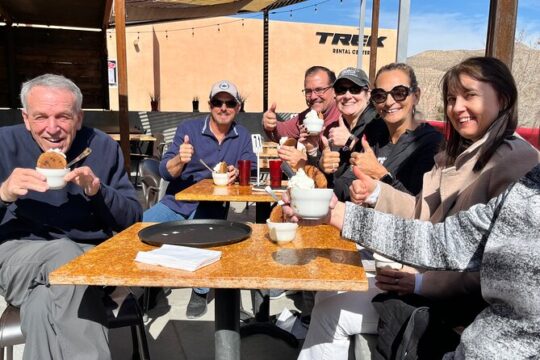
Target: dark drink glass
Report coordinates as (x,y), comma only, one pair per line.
(275,173)
(244,169)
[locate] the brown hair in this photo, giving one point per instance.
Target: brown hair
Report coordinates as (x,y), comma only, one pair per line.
(407,69)
(494,72)
(315,69)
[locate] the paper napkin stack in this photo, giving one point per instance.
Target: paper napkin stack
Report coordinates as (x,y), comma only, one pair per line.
(179,257)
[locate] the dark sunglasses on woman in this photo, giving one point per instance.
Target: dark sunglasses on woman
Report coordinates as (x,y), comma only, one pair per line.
(354,89)
(219,103)
(399,93)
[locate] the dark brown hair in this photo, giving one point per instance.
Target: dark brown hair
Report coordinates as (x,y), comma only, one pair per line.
(495,73)
(315,69)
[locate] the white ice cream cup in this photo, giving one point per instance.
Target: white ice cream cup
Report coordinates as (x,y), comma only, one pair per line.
(311,204)
(220,179)
(314,125)
(381,262)
(55,177)
(281,233)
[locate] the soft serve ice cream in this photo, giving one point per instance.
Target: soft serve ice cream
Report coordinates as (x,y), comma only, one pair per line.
(301,181)
(313,122)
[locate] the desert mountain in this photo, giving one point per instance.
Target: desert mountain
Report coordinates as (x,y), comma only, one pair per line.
(431,65)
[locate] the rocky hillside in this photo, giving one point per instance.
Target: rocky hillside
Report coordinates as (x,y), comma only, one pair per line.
(431,65)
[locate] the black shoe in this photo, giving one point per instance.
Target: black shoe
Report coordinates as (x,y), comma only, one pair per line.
(197,305)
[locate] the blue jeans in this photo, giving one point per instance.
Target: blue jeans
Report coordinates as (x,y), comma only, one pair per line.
(162,213)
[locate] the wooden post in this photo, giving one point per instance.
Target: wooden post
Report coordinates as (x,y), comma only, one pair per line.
(265,60)
(123,108)
(501,30)
(374,40)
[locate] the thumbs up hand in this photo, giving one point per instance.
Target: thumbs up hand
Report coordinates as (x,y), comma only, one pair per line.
(339,135)
(362,187)
(368,162)
(270,118)
(186,151)
(329,161)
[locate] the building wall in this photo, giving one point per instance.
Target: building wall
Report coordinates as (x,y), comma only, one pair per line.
(181,60)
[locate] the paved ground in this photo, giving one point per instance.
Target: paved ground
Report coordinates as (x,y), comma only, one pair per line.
(172,336)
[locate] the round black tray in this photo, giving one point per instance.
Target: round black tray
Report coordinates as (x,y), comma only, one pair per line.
(195,233)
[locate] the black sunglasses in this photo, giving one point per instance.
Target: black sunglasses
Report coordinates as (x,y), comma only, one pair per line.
(399,93)
(354,89)
(219,103)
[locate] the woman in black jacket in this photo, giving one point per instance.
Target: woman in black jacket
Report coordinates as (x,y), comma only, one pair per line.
(399,154)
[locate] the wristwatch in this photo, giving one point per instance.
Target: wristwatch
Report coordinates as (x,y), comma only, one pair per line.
(388,178)
(347,145)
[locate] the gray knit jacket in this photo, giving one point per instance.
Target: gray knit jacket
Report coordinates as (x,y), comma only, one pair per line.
(501,239)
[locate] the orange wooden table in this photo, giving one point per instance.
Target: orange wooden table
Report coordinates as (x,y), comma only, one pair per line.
(205,190)
(318,259)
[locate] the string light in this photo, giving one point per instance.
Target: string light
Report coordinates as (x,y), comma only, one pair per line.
(255,15)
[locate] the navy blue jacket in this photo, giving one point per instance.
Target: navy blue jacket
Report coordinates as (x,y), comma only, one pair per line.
(235,146)
(68,212)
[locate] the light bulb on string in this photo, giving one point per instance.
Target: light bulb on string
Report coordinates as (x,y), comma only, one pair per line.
(218,29)
(166,34)
(242,22)
(193,32)
(290,14)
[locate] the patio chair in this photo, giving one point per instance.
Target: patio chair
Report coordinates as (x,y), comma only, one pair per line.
(129,314)
(150,181)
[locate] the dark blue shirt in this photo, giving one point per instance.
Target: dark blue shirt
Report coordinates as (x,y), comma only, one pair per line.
(68,212)
(235,146)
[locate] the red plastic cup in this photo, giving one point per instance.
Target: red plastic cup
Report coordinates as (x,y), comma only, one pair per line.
(244,168)
(275,173)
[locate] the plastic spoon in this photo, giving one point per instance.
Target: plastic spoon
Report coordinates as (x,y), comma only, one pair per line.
(268,189)
(82,155)
(208,167)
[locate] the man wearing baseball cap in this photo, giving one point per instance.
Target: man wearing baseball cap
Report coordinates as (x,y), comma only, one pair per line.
(213,138)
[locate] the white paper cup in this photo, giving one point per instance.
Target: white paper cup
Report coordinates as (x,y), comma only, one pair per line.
(381,262)
(55,177)
(281,233)
(311,204)
(314,126)
(220,179)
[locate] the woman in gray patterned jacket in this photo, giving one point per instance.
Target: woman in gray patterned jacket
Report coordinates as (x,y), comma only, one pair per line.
(500,239)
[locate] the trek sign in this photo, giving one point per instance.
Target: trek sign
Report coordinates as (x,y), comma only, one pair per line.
(347,40)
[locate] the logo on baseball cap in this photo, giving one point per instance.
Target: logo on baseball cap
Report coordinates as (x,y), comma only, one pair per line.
(357,76)
(226,87)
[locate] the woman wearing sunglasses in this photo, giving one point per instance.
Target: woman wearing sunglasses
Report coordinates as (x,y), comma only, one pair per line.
(403,150)
(398,154)
(481,158)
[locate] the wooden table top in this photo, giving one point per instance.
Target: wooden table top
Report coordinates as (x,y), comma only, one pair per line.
(318,259)
(205,190)
(134,137)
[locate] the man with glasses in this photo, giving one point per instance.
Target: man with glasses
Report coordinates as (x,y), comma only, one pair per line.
(319,96)
(214,138)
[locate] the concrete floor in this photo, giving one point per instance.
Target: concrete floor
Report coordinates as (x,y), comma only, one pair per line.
(172,336)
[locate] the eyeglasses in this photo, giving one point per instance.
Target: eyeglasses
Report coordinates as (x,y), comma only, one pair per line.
(219,103)
(317,91)
(354,89)
(399,93)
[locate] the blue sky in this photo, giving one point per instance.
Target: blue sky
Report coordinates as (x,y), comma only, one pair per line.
(434,24)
